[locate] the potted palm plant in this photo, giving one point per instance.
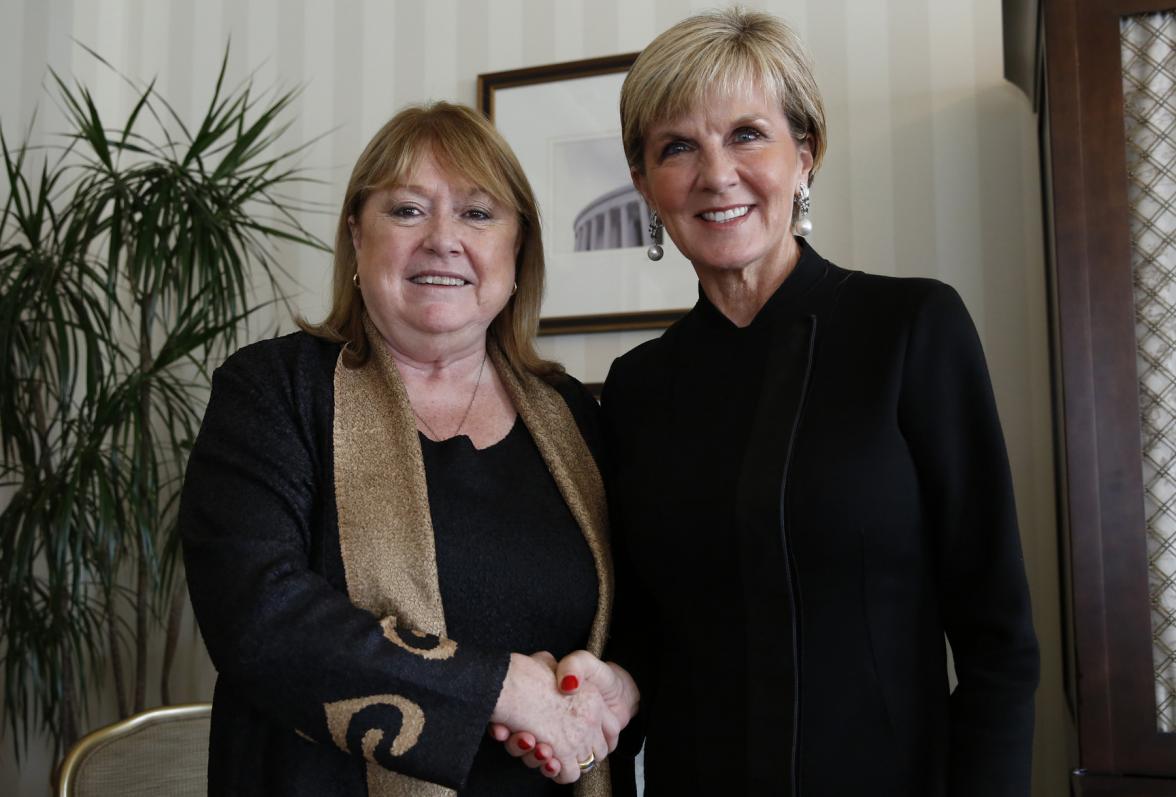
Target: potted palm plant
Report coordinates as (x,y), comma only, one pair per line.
(129,259)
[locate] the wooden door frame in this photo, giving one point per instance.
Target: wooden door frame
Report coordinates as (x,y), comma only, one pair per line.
(1101,511)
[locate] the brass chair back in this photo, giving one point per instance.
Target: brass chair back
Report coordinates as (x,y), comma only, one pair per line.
(160,751)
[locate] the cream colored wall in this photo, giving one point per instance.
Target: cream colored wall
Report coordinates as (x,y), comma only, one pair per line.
(932,170)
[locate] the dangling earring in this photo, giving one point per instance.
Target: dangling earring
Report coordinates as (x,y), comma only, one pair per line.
(803,225)
(655,252)
(355,280)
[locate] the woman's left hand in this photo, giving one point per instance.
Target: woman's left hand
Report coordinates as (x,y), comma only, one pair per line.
(616,686)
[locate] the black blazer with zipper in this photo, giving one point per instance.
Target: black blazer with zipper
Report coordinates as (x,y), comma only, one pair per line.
(785,612)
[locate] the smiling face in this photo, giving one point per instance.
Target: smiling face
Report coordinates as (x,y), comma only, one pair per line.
(723,179)
(436,257)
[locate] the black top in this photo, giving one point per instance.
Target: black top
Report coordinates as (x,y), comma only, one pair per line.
(802,509)
(499,505)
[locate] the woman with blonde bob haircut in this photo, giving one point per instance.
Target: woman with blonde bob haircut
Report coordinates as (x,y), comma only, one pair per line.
(394,520)
(808,486)
(716,54)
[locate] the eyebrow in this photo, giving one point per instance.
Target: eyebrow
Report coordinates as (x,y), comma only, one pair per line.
(746,119)
(473,193)
(752,118)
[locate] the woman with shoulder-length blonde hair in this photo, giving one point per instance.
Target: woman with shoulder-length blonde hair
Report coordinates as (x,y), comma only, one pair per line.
(458,136)
(809,486)
(394,520)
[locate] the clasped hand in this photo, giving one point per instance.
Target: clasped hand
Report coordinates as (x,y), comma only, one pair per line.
(556,715)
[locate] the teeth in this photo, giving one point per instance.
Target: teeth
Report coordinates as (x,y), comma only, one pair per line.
(430,279)
(726,215)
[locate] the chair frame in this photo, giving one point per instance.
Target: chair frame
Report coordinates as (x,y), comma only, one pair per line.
(91,741)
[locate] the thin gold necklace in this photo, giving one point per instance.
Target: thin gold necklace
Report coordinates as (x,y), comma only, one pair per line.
(466,415)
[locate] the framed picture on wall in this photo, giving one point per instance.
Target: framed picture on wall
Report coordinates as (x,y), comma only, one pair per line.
(562,122)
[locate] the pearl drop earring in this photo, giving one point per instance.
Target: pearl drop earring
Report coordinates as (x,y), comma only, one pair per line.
(655,251)
(803,225)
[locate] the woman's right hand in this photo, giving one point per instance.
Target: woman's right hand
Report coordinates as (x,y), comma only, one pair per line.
(574,726)
(577,671)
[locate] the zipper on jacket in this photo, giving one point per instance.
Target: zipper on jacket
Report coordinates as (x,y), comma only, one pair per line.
(790,576)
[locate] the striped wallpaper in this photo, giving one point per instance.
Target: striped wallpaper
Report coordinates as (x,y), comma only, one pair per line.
(932,166)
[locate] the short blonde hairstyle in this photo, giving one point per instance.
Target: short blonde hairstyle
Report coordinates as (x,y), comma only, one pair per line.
(464,144)
(716,52)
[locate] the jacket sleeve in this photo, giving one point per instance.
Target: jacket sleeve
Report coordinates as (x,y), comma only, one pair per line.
(948,415)
(629,647)
(630,638)
(278,629)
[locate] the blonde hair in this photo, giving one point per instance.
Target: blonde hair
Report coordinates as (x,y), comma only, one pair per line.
(464,144)
(717,52)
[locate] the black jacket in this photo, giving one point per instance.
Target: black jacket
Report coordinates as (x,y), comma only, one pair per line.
(889,521)
(260,528)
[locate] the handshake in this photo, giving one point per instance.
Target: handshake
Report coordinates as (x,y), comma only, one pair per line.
(563,717)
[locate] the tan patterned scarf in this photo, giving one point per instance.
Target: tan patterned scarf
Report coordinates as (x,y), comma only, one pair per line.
(386,531)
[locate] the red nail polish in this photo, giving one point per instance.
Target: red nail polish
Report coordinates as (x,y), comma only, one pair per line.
(549,767)
(542,756)
(524,744)
(569,683)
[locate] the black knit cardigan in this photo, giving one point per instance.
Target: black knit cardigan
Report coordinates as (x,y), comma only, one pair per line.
(897,523)
(260,534)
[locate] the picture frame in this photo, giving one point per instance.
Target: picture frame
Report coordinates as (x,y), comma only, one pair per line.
(562,122)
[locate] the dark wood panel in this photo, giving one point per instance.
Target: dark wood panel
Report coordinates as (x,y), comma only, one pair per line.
(1095,786)
(1097,393)
(1124,536)
(1074,352)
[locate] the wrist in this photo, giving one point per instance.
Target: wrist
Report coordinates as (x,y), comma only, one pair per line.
(506,705)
